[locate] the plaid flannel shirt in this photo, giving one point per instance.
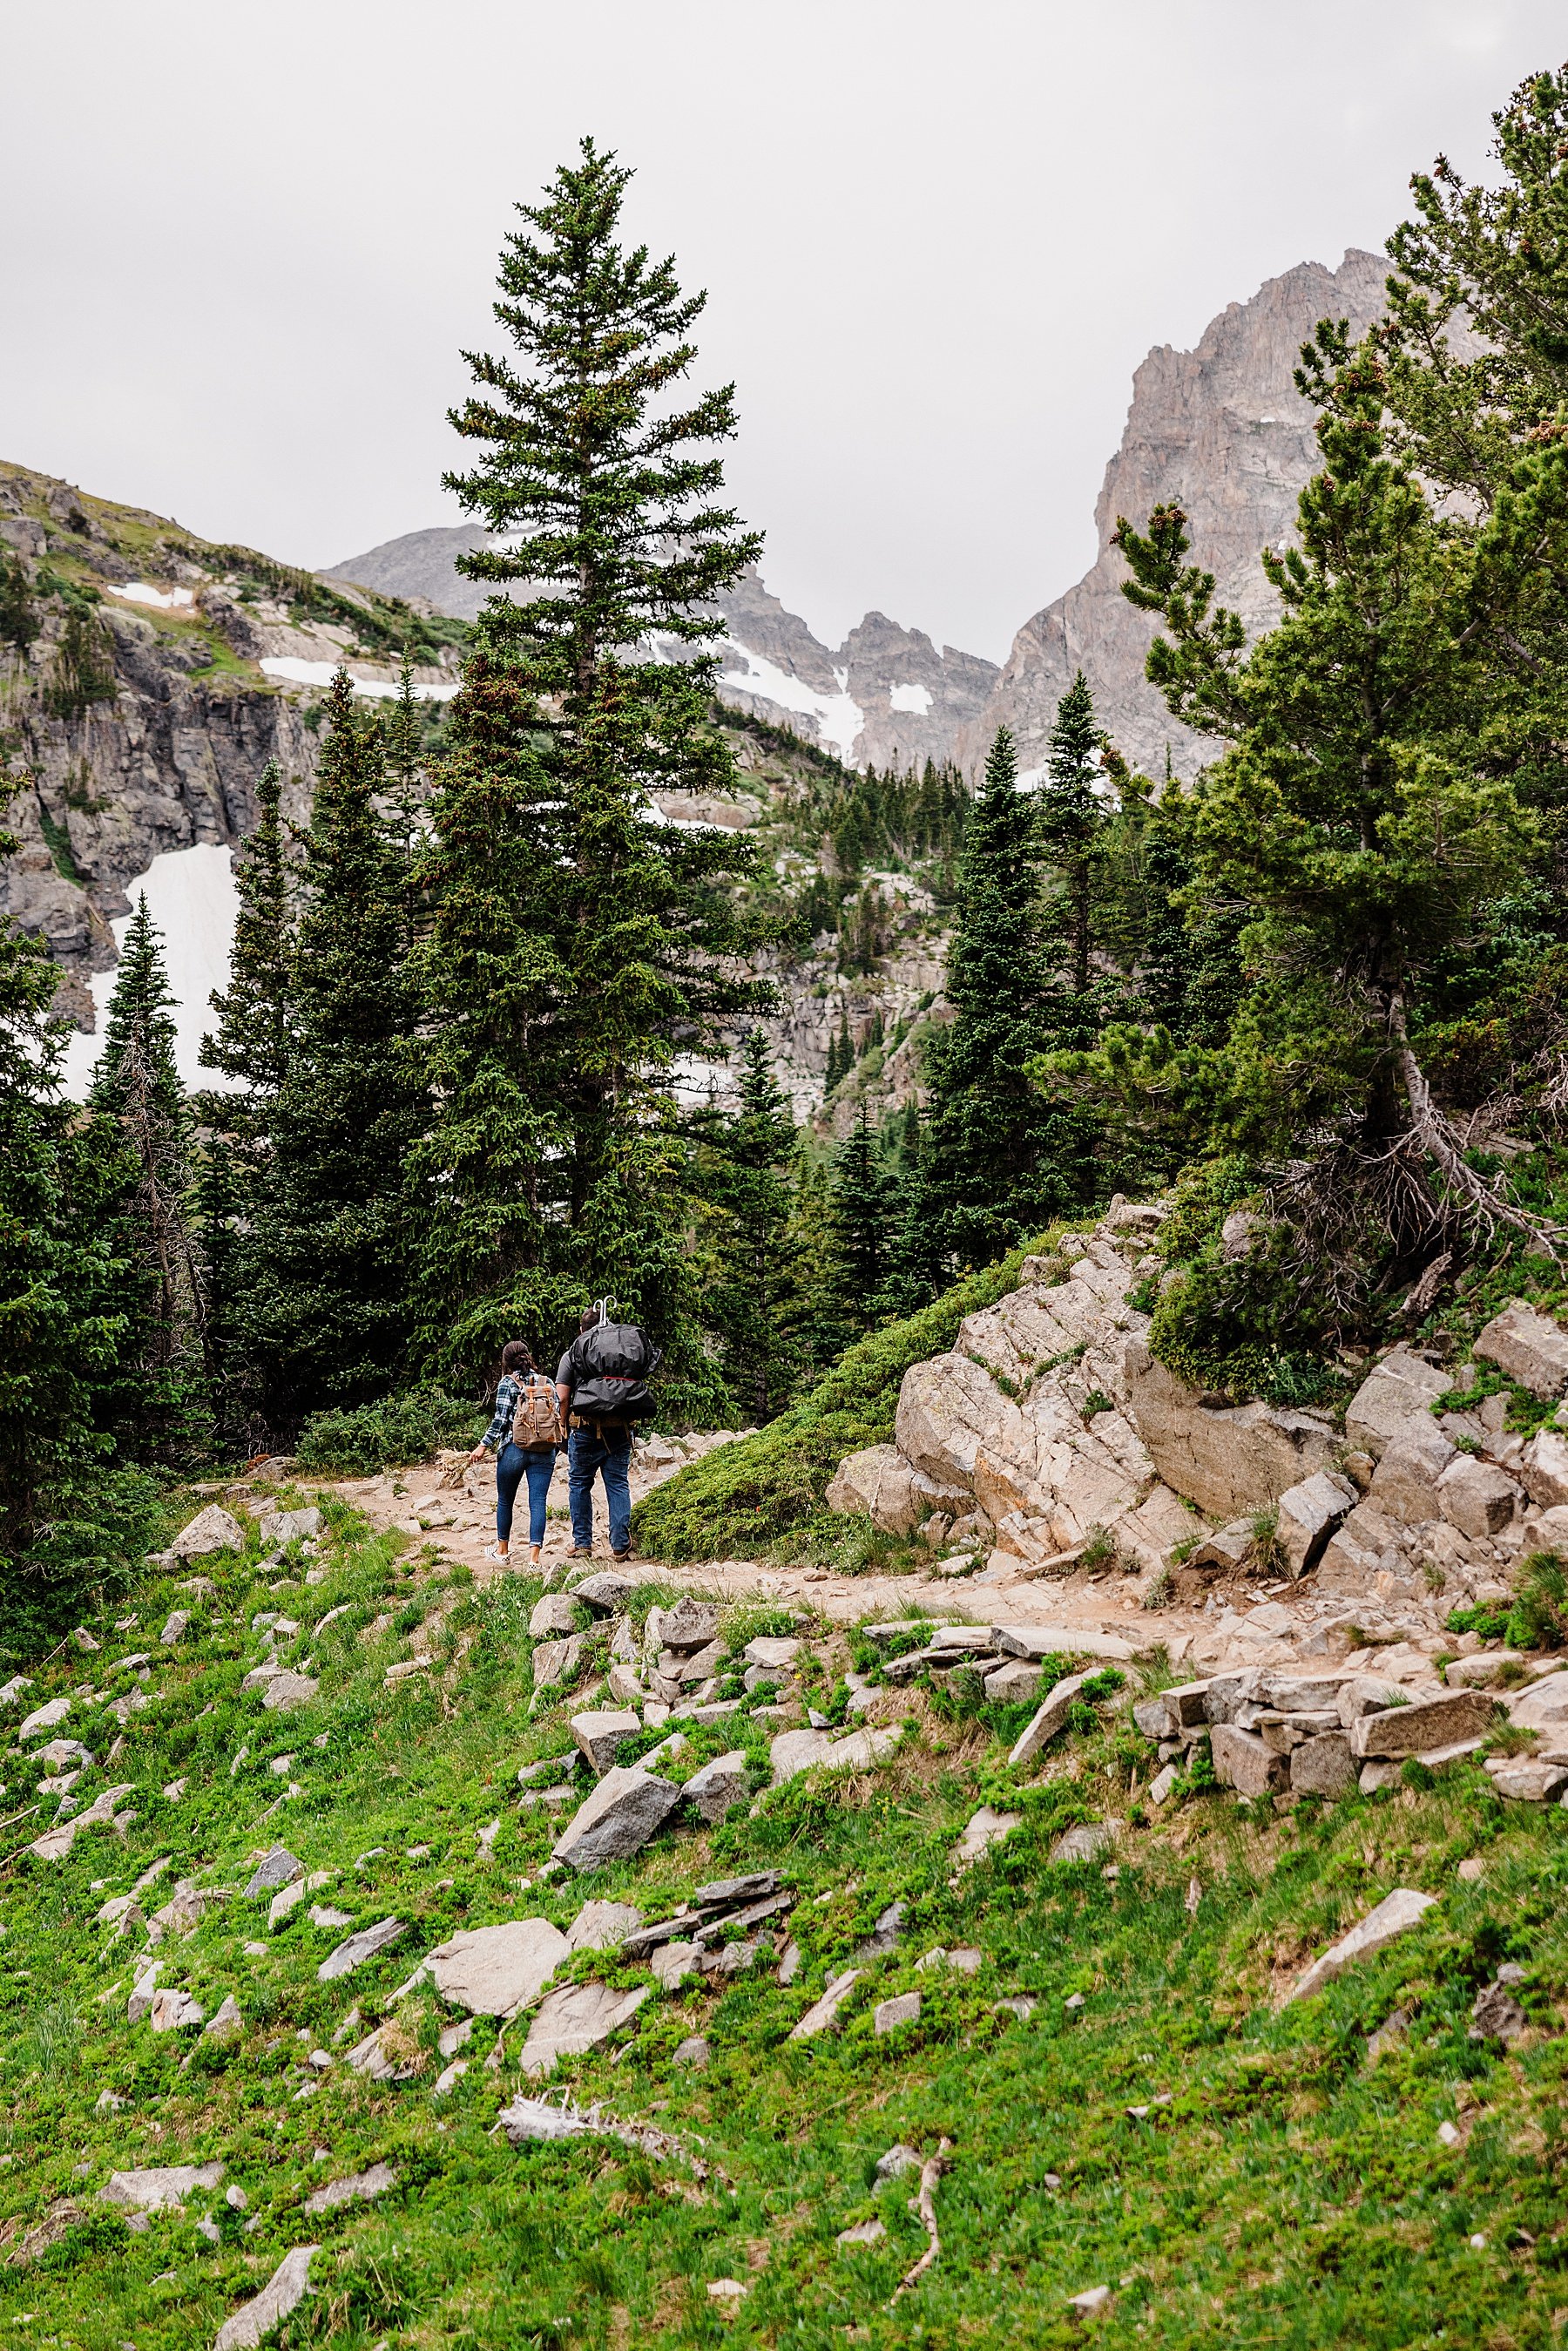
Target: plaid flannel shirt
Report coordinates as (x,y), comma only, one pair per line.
(500,1429)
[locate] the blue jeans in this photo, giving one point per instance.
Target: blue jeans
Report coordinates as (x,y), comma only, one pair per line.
(512,1464)
(608,1450)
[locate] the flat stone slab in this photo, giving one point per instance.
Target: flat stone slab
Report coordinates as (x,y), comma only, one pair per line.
(575,2018)
(1394,1916)
(287,1690)
(823,2013)
(554,1615)
(365,1945)
(1049,1718)
(602,1926)
(44,1718)
(606,1594)
(1401,1730)
(628,1807)
(162,2185)
(1085,1842)
(283,2293)
(1530,1346)
(904,2008)
(358,2186)
(1543,1707)
(493,1971)
(280,1527)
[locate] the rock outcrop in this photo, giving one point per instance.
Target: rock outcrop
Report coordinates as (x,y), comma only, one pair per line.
(1222,433)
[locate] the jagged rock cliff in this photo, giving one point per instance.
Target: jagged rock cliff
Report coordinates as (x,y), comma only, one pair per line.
(1222,432)
(886,699)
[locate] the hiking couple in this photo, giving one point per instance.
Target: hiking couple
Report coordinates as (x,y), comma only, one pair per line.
(598,1393)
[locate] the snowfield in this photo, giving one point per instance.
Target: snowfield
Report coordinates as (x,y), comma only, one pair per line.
(190,896)
(164,599)
(838,716)
(915,699)
(375,689)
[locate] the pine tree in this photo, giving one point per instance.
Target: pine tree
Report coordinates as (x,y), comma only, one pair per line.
(139,1142)
(575,946)
(989,1176)
(754,1305)
(82,672)
(863,1228)
(1073,819)
(19,622)
(251,1041)
(329,1271)
(64,1520)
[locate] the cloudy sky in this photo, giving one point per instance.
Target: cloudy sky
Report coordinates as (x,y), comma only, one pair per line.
(245,245)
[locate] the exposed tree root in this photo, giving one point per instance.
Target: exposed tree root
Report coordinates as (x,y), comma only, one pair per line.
(931,2171)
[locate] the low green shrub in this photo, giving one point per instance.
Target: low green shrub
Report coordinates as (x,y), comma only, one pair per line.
(1539,1617)
(368,1437)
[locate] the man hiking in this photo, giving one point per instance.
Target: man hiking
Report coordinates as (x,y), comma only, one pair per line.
(602,1384)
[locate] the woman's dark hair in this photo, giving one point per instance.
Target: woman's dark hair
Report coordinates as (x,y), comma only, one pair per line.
(516,1357)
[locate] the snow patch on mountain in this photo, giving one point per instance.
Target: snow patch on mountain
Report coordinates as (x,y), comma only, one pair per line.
(839,718)
(192,897)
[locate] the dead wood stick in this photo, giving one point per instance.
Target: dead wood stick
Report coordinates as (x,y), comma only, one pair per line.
(931,2171)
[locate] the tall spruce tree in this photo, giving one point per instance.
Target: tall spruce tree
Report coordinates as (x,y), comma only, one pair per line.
(864,1224)
(139,1145)
(989,1175)
(330,1270)
(575,943)
(754,1305)
(1073,818)
(63,1520)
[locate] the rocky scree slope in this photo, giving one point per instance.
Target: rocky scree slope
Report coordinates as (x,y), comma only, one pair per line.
(1049,1437)
(629,1992)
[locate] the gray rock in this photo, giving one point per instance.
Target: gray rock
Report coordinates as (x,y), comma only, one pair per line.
(727,1893)
(1307,1515)
(626,1808)
(1150,1716)
(674,1961)
(1496,2014)
(287,1691)
(1242,1761)
(694,2051)
(888,1933)
(575,2018)
(599,1733)
(227,2023)
(602,1925)
(357,2188)
(493,1971)
(897,2160)
(1085,1842)
(717,1787)
(281,1527)
(283,2293)
(554,1615)
(173,2011)
(1543,1465)
(1402,1730)
(44,1718)
(1530,1346)
(904,2008)
(1405,1483)
(162,2186)
(1324,1766)
(824,2013)
(1401,1389)
(794,1751)
(359,1948)
(1393,1917)
(549,1769)
(1477,1497)
(1228,1548)
(558,1662)
(1017,1683)
(1524,1781)
(1227,1460)
(690,1625)
(213,1529)
(174,1629)
(700,1666)
(1049,1717)
(605,1593)
(775,1653)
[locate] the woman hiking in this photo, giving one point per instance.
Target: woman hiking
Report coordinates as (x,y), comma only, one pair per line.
(523,1433)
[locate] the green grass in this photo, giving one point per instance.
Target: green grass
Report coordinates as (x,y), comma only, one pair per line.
(763,1496)
(1290,2192)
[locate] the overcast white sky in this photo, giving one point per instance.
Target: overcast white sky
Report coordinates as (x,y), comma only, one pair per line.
(244,244)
